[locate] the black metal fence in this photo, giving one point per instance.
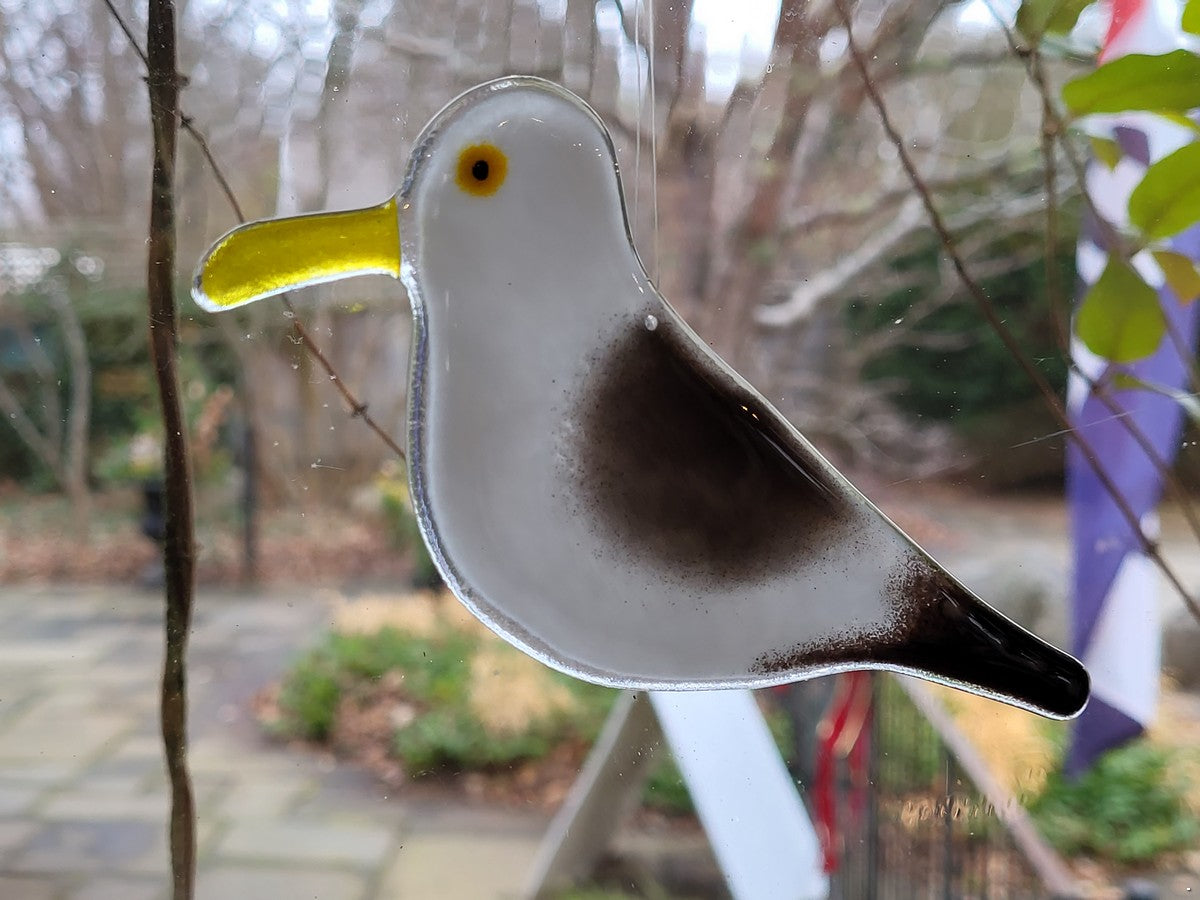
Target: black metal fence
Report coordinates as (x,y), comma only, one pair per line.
(909,810)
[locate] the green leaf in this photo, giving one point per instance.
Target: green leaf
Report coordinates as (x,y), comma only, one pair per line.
(1191,17)
(1120,318)
(1066,15)
(1038,17)
(1167,200)
(1180,273)
(1168,82)
(1107,151)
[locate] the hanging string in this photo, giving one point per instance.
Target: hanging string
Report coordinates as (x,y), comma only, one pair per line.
(653,141)
(637,140)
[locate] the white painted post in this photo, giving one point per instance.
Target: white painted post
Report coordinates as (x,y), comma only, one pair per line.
(755,821)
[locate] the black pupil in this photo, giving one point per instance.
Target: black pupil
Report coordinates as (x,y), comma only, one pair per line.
(480,170)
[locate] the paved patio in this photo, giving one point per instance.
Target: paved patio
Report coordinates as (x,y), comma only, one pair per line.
(83,801)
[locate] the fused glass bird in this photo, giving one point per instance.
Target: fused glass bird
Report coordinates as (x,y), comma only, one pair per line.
(592,481)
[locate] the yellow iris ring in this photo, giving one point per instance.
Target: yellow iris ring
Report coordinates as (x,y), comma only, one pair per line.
(481,169)
(262,259)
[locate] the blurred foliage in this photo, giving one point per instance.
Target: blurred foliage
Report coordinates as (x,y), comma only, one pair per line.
(446,734)
(434,673)
(310,696)
(911,754)
(124,400)
(980,380)
(1130,807)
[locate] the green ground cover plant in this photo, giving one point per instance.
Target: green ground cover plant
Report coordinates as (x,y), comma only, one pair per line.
(1131,807)
(437,675)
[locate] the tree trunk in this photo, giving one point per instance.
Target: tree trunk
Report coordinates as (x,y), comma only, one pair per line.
(754,244)
(75,450)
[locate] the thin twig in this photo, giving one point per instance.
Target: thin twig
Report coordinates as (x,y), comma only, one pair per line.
(128,34)
(1037,74)
(206,151)
(851,213)
(1059,310)
(358,408)
(988,310)
(1186,356)
(178,543)
(1164,471)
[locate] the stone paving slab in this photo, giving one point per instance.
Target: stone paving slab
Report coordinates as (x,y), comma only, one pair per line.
(118,888)
(443,866)
(17,888)
(257,799)
(83,805)
(306,842)
(14,833)
(226,882)
(89,846)
(83,794)
(41,739)
(16,800)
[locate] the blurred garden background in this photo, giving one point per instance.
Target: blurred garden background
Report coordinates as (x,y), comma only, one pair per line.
(767,203)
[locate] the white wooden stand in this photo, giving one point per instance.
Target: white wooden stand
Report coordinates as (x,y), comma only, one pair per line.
(756,823)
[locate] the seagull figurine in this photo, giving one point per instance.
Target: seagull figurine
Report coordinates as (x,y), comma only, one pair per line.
(593,482)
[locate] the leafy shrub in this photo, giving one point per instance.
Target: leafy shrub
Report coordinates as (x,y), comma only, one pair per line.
(453,739)
(435,673)
(310,695)
(911,753)
(1130,807)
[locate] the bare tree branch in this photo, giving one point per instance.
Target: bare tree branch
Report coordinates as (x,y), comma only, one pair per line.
(1002,169)
(983,302)
(812,291)
(878,246)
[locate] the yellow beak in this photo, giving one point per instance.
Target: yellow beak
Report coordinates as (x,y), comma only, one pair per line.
(262,259)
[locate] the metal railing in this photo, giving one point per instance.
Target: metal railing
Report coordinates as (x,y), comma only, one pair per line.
(910,810)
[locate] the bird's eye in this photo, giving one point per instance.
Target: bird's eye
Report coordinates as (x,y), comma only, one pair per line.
(481,169)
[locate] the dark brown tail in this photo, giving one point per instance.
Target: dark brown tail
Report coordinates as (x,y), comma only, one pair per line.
(951,634)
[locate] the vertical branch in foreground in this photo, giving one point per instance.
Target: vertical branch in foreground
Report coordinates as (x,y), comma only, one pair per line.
(178,551)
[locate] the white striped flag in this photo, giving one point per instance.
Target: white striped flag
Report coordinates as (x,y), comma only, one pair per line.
(1115,586)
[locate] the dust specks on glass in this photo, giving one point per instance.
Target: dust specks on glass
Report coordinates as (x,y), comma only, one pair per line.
(592,480)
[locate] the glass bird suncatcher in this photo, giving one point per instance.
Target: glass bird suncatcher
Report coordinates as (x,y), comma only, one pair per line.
(592,481)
